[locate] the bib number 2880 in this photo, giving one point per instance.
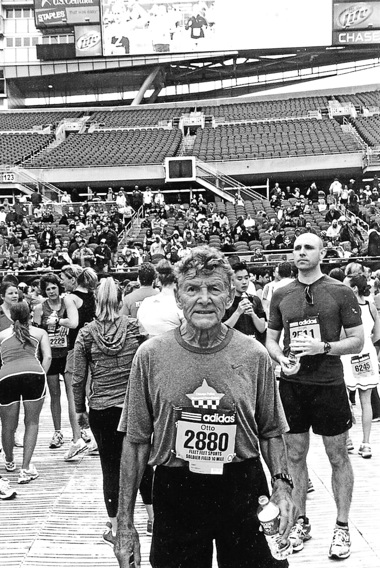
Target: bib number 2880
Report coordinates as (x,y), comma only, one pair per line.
(201,440)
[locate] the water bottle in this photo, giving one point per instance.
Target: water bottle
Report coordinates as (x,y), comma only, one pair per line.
(269,516)
(52,327)
(294,364)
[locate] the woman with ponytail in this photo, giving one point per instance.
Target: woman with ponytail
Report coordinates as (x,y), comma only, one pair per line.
(105,348)
(361,371)
(79,284)
(22,376)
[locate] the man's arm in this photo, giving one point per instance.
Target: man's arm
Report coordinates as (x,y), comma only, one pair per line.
(274,349)
(134,459)
(349,345)
(273,451)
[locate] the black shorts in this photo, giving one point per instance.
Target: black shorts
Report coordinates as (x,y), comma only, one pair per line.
(25,386)
(57,366)
(191,510)
(324,408)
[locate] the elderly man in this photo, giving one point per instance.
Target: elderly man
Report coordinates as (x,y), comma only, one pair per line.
(313,311)
(201,403)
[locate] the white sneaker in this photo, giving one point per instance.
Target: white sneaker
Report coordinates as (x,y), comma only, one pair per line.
(341,544)
(365,451)
(27,475)
(75,449)
(6,493)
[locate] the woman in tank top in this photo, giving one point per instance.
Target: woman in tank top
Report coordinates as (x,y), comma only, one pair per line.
(79,284)
(22,376)
(361,371)
(50,316)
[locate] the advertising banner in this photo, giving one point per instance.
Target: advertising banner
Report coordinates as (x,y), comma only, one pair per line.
(88,41)
(356,37)
(60,13)
(356,15)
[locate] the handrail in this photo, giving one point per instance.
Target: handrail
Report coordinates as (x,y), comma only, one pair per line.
(229,183)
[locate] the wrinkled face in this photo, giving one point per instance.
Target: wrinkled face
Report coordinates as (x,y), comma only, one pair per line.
(241,281)
(204,298)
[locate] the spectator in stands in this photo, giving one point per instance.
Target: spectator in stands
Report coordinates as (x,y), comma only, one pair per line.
(312,192)
(111,238)
(157,247)
(335,189)
(33,258)
(159,199)
(74,243)
(83,255)
(257,255)
(227,245)
(110,194)
(344,196)
(102,257)
(309,228)
(374,239)
(147,199)
(65,198)
(137,198)
(330,251)
(332,214)
(273,226)
(249,222)
(333,231)
(121,200)
(47,238)
(36,198)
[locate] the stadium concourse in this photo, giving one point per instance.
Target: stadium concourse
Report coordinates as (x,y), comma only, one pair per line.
(57,520)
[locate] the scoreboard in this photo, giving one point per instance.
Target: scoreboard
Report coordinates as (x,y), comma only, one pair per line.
(144,27)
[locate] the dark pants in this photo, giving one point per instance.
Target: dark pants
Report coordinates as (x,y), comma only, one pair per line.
(191,510)
(103,424)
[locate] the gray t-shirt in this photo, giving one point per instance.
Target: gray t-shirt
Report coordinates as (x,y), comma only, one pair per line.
(166,372)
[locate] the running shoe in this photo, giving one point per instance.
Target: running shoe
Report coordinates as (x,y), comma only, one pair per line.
(341,544)
(365,451)
(75,449)
(108,536)
(299,534)
(349,445)
(149,528)
(57,440)
(310,486)
(27,475)
(93,449)
(85,434)
(6,493)
(10,466)
(376,419)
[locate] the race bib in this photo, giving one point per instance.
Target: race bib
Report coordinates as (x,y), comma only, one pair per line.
(361,366)
(58,339)
(196,32)
(205,438)
(308,326)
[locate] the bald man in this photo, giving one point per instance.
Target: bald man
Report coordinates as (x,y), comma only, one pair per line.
(312,311)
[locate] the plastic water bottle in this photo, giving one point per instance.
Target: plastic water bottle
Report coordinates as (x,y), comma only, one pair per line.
(269,516)
(52,327)
(294,364)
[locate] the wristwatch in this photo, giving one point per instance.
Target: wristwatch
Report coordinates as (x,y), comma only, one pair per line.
(326,347)
(284,477)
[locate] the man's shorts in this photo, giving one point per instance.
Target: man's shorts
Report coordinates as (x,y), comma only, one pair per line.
(324,408)
(192,510)
(57,367)
(25,386)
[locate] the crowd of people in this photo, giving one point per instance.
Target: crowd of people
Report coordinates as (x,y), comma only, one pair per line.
(199,339)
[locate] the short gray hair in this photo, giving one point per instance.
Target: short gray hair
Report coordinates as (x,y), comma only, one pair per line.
(204,260)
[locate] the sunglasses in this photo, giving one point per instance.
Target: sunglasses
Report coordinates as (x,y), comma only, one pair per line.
(309,296)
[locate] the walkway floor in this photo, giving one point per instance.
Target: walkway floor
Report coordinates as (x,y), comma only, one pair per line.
(58,519)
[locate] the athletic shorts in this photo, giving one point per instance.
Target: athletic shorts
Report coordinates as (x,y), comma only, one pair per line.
(57,366)
(324,408)
(25,386)
(191,510)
